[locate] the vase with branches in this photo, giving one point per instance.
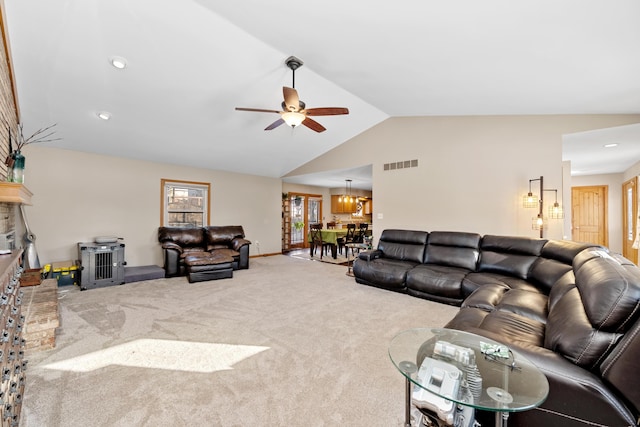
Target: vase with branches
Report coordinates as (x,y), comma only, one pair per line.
(15,161)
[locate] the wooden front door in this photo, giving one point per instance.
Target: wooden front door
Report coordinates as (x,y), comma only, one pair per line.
(589,214)
(630,219)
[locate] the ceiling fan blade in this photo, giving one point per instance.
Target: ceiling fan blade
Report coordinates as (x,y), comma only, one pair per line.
(275,124)
(327,111)
(313,125)
(291,99)
(258,110)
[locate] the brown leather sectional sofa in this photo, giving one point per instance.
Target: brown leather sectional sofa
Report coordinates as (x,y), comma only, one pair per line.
(570,308)
(177,243)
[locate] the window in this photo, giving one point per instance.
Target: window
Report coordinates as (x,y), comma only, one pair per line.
(184,203)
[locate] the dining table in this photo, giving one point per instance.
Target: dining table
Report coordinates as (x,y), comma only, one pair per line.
(329,236)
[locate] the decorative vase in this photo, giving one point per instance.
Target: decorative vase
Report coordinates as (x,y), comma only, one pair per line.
(16,174)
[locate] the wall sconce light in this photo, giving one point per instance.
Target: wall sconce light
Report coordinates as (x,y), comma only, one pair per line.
(538,223)
(556,211)
(531,200)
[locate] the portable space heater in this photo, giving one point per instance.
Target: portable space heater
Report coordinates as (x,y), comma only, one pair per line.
(101,264)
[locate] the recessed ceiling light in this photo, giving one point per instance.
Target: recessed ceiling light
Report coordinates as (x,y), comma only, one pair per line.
(118,62)
(610,145)
(104,115)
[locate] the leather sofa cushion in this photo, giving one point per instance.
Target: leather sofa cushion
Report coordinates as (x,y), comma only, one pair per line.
(532,305)
(588,319)
(622,361)
(570,333)
(222,235)
(563,250)
(491,297)
(473,281)
(486,297)
(437,280)
(185,237)
(510,327)
(205,258)
(389,273)
(510,244)
(555,260)
(403,245)
(512,256)
(454,249)
(609,287)
(546,272)
(227,252)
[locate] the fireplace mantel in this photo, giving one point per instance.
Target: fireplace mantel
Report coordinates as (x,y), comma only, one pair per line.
(11,192)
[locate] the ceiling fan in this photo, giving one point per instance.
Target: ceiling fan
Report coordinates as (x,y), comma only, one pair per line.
(294,112)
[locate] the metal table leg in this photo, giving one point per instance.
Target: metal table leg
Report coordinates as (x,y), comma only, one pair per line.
(408,368)
(501,419)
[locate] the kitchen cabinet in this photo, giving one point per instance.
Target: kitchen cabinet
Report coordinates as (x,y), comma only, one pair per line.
(338,207)
(368,207)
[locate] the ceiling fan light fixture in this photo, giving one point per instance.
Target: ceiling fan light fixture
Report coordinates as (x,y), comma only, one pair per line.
(293,118)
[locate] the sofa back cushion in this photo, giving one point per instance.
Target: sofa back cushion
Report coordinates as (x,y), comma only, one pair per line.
(587,320)
(453,249)
(185,237)
(403,245)
(556,260)
(222,234)
(512,256)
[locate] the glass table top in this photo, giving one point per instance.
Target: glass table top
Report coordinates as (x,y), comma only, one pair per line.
(468,369)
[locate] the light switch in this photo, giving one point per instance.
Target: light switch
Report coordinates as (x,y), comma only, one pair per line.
(380,216)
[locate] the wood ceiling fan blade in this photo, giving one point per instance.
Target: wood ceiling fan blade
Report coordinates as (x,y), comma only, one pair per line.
(258,110)
(326,111)
(291,99)
(275,124)
(313,125)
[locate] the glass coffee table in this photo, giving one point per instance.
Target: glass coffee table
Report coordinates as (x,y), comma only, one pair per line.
(448,370)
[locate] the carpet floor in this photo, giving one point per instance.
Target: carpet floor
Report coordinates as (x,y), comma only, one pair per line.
(286,343)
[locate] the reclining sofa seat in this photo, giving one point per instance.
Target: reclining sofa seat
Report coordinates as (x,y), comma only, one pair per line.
(449,258)
(572,309)
(398,252)
(178,242)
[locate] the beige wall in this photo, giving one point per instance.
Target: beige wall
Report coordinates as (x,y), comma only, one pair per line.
(634,170)
(472,173)
(78,196)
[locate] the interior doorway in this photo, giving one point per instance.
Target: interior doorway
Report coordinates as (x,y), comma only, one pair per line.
(630,219)
(589,222)
(305,209)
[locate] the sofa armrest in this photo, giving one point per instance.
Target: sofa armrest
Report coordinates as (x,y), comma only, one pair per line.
(171,253)
(370,255)
(239,242)
(172,245)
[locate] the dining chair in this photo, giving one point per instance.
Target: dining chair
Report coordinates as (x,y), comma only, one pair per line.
(316,239)
(331,225)
(341,241)
(361,233)
(359,238)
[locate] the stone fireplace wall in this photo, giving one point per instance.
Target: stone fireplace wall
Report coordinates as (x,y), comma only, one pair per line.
(8,120)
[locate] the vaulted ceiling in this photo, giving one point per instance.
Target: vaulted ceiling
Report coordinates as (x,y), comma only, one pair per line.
(191,62)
